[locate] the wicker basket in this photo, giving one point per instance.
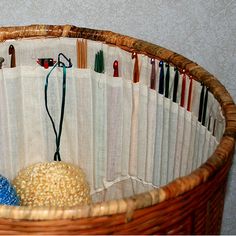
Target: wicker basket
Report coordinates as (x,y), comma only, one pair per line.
(189,205)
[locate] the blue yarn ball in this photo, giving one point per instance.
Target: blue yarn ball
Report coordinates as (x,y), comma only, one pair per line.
(8,194)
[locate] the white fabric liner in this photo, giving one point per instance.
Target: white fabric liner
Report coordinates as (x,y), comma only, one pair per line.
(127,138)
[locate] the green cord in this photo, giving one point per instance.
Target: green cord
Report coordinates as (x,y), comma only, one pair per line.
(57,156)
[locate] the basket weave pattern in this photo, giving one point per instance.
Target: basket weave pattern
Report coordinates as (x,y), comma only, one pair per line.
(189,205)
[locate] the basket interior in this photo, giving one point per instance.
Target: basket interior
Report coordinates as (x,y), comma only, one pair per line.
(127,137)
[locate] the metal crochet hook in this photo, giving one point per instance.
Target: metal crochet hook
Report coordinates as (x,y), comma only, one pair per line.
(11,52)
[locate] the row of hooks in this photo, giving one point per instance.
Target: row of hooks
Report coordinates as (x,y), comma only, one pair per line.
(163,79)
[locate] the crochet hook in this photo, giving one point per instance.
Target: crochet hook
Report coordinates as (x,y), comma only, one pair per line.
(153,75)
(1,62)
(116,69)
(176,82)
(161,77)
(136,68)
(11,52)
(167,80)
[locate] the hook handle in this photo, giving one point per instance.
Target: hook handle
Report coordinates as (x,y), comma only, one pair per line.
(12,52)
(161,78)
(1,62)
(116,69)
(153,75)
(136,68)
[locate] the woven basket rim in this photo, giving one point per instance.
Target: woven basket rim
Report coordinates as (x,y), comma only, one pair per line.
(173,189)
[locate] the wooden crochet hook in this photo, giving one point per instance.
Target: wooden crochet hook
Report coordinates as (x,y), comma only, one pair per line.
(11,52)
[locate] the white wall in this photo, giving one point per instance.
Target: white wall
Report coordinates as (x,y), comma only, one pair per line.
(204,31)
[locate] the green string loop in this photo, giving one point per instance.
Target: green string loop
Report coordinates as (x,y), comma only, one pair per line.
(57,156)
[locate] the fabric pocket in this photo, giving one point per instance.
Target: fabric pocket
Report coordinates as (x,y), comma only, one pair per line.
(158,142)
(99,93)
(114,127)
(151,133)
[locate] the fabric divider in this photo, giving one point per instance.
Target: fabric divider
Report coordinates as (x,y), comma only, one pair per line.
(196,97)
(186,143)
(151,133)
(127,114)
(165,141)
(200,148)
(179,91)
(85,132)
(220,124)
(171,85)
(99,96)
(187,92)
(210,105)
(12,135)
(158,141)
(190,160)
(145,69)
(179,142)
(142,132)
(206,146)
(173,127)
(212,145)
(196,145)
(126,65)
(133,161)
(114,127)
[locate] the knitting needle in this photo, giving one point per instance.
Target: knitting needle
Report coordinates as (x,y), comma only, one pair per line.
(85,52)
(101,61)
(78,52)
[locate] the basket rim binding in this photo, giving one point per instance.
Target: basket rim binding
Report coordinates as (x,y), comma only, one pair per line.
(214,164)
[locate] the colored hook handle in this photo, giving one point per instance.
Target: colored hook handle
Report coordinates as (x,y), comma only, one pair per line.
(12,52)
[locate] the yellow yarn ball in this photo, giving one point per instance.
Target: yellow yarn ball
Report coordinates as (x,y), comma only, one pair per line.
(52,184)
